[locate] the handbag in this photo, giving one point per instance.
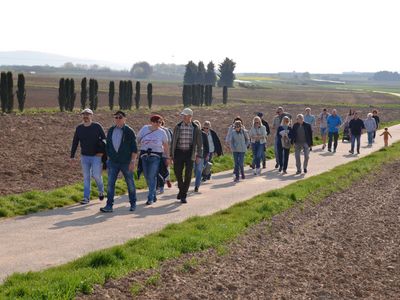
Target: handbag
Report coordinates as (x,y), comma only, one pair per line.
(285,142)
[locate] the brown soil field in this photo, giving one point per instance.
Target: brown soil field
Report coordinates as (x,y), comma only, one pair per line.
(347,247)
(35,148)
(42,92)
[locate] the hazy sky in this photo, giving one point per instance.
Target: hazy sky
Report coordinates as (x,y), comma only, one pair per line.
(261,36)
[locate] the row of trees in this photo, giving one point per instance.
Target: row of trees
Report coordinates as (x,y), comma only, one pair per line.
(7,92)
(197,94)
(197,74)
(386,76)
(126,94)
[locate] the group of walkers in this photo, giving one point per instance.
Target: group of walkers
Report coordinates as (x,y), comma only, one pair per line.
(190,146)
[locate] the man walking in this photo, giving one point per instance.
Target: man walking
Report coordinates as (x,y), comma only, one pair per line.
(333,121)
(186,148)
(122,152)
(356,125)
(301,137)
(89,135)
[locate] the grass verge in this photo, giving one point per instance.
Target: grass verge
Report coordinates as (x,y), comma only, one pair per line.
(34,201)
(194,234)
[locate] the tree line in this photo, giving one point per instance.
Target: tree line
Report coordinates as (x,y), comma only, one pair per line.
(89,94)
(386,76)
(7,92)
(198,82)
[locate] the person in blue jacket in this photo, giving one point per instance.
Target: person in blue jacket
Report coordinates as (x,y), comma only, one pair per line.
(334,121)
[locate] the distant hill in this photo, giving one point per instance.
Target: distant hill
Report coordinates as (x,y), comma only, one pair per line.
(34,58)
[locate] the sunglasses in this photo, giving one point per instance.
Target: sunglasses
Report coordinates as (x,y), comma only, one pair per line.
(205,128)
(118,117)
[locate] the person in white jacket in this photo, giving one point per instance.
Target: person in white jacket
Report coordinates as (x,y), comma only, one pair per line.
(370,126)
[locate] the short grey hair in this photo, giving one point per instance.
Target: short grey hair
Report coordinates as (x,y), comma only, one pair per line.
(300,116)
(207,123)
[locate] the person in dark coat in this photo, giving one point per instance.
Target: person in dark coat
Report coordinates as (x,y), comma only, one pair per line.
(215,146)
(301,138)
(356,125)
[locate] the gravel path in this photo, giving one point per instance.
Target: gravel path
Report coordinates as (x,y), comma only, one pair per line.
(346,247)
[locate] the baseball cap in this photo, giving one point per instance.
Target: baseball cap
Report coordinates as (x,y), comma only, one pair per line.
(260,114)
(87,111)
(187,112)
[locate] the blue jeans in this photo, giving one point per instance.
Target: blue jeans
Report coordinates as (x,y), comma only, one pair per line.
(151,165)
(238,158)
(355,138)
(198,169)
(113,170)
(258,149)
(91,166)
(370,137)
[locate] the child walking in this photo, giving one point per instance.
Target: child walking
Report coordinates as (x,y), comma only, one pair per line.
(386,135)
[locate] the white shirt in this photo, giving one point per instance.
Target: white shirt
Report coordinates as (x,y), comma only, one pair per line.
(152,139)
(210,142)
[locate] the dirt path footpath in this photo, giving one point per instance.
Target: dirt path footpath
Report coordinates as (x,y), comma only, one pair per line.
(344,248)
(50,238)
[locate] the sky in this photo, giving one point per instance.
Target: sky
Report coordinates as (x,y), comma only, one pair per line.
(316,36)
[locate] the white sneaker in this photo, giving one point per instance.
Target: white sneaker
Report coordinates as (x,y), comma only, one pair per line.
(255,172)
(259,171)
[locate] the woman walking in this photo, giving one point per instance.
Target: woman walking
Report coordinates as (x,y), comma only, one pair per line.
(284,144)
(258,134)
(239,141)
(153,144)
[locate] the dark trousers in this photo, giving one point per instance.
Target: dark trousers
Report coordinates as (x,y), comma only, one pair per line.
(335,137)
(283,157)
(183,159)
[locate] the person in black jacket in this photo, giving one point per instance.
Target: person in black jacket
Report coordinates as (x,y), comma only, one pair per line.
(301,137)
(377,120)
(90,136)
(356,125)
(122,152)
(215,146)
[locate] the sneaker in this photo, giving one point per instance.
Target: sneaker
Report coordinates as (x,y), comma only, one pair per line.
(351,152)
(358,152)
(132,208)
(183,200)
(169,185)
(149,202)
(323,147)
(298,172)
(204,179)
(243,177)
(179,196)
(305,170)
(236,179)
(263,165)
(254,172)
(329,150)
(196,189)
(106,209)
(252,166)
(85,201)
(280,170)
(155,199)
(284,172)
(161,190)
(101,196)
(258,171)
(276,166)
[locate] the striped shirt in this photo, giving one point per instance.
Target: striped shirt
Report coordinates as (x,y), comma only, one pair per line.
(185,139)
